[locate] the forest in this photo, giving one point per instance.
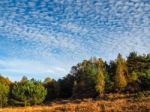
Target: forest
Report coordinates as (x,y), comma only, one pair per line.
(93,78)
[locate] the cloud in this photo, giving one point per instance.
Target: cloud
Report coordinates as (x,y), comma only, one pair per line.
(29,67)
(67,31)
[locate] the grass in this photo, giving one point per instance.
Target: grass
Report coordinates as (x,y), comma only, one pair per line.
(117,103)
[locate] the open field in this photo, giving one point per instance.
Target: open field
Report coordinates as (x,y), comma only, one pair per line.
(89,105)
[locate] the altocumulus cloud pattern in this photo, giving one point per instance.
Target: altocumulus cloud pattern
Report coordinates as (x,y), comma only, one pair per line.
(46,37)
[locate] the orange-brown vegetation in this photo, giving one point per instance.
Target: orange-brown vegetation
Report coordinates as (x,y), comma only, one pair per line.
(117,103)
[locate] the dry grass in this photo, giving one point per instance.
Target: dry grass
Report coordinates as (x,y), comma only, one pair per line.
(89,105)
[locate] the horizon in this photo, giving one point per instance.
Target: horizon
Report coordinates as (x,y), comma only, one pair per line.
(48,76)
(44,38)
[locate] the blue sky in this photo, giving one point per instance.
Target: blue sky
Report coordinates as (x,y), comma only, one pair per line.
(40,38)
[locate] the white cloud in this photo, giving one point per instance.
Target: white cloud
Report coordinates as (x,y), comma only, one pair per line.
(29,67)
(70,31)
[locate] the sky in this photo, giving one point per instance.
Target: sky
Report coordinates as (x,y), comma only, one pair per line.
(41,38)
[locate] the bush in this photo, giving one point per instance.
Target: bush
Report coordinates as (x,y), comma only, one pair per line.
(144,82)
(28,92)
(4,92)
(133,87)
(109,96)
(139,95)
(146,93)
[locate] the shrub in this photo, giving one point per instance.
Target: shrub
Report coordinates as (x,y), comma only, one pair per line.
(28,92)
(109,96)
(146,93)
(139,95)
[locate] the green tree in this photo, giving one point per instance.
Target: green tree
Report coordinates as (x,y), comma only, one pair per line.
(85,79)
(4,94)
(28,92)
(65,86)
(138,63)
(4,90)
(24,79)
(51,86)
(110,76)
(145,80)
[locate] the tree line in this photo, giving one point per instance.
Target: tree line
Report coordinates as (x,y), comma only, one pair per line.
(89,79)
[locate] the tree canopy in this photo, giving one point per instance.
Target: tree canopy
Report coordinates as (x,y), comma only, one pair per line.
(90,78)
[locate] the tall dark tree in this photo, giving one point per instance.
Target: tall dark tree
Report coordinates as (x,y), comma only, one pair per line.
(51,86)
(65,86)
(110,76)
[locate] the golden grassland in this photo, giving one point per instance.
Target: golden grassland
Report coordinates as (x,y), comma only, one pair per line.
(117,103)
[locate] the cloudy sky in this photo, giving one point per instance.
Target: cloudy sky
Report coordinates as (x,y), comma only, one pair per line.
(40,38)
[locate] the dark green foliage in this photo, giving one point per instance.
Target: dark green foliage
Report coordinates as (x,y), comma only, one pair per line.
(51,86)
(65,86)
(145,82)
(110,76)
(85,77)
(133,86)
(28,92)
(138,63)
(139,70)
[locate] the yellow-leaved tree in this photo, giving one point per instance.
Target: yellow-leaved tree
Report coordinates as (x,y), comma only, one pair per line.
(121,73)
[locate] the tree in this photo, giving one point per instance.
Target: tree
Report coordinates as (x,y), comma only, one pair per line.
(110,76)
(89,78)
(4,90)
(4,80)
(24,79)
(85,79)
(65,86)
(145,80)
(121,73)
(138,63)
(100,80)
(4,94)
(51,86)
(28,92)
